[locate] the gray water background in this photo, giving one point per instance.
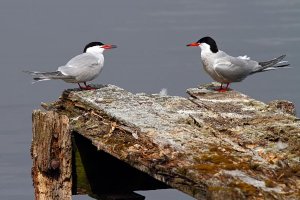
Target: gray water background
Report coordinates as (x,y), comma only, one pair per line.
(151,35)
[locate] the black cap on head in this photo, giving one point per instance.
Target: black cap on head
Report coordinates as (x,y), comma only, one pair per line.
(211,42)
(91,45)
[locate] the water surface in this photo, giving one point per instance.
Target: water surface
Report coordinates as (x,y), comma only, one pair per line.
(151,35)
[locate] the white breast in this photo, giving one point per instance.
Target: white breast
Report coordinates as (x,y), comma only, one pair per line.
(209,61)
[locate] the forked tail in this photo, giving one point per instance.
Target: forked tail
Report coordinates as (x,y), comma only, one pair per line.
(43,76)
(271,64)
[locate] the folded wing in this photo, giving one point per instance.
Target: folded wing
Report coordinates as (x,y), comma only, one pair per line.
(79,64)
(234,69)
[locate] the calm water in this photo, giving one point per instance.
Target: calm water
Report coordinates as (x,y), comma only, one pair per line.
(151,35)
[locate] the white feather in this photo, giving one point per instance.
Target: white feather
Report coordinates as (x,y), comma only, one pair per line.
(245,57)
(163,92)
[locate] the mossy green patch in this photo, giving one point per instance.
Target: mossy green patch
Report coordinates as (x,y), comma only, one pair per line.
(83,185)
(218,159)
(208,168)
(270,183)
(249,190)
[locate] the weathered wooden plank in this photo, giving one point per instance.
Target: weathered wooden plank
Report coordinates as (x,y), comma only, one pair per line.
(51,153)
(211,145)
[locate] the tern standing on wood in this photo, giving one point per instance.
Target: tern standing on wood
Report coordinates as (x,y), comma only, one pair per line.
(226,69)
(80,69)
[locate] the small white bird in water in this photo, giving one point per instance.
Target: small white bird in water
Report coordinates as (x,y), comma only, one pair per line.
(80,69)
(224,68)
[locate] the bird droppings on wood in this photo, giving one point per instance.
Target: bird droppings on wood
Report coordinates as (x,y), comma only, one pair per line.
(206,145)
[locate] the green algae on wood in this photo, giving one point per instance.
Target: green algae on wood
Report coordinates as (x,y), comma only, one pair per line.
(82,183)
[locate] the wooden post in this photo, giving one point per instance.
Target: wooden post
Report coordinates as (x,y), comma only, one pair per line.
(51,152)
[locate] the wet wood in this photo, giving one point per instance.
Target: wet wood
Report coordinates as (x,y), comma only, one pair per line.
(52,155)
(210,145)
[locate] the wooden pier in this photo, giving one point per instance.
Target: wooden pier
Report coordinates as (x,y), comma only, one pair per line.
(109,143)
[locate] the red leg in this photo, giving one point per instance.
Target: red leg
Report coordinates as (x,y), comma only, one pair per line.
(221,89)
(87,87)
(227,86)
(80,86)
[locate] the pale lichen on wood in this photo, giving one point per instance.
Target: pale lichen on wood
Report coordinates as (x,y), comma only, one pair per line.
(211,145)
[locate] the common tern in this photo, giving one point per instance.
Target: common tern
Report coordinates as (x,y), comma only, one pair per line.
(226,69)
(80,69)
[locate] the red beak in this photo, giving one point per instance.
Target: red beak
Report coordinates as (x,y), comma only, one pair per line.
(109,46)
(194,44)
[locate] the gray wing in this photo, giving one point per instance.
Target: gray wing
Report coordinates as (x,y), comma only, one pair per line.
(78,64)
(234,69)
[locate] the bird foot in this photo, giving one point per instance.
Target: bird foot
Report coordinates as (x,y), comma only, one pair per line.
(221,89)
(87,88)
